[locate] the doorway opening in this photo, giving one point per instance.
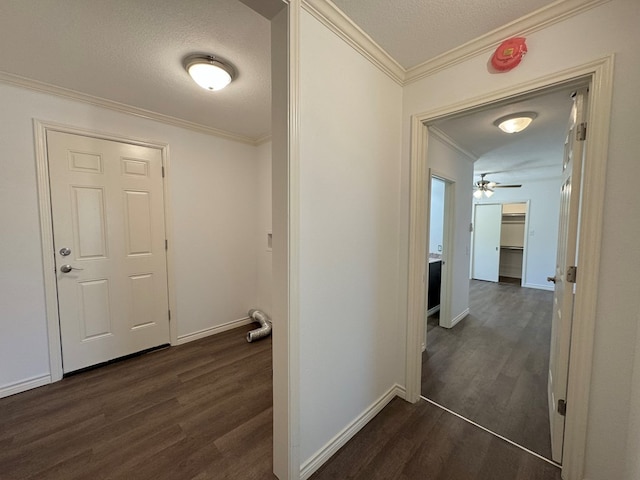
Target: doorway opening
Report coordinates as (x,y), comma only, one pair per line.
(499,242)
(597,75)
(436,242)
(492,368)
(438,293)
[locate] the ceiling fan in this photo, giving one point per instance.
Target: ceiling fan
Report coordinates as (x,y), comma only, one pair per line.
(486,187)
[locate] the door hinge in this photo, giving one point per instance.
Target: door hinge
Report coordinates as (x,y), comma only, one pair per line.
(562,407)
(166,244)
(163,171)
(581,132)
(571,274)
(169,314)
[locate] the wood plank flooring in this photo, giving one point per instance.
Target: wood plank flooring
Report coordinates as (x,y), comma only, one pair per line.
(423,442)
(492,367)
(197,411)
(203,411)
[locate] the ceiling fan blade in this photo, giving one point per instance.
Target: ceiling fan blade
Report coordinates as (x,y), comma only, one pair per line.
(507,186)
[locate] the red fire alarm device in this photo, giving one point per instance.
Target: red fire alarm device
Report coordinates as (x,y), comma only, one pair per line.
(509,54)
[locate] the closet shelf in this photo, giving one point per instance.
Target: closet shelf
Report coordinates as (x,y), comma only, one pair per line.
(511,247)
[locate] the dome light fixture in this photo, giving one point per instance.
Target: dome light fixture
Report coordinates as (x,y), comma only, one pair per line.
(209,72)
(516,122)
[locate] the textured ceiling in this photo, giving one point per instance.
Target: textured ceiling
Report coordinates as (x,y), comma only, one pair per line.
(414,31)
(533,154)
(131,51)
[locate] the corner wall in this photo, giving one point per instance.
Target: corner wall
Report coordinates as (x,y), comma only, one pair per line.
(450,163)
(350,117)
(264,275)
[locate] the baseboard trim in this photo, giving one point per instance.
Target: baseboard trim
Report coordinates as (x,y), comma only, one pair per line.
(433,310)
(549,288)
(457,319)
(190,337)
(24,385)
(309,467)
(401,392)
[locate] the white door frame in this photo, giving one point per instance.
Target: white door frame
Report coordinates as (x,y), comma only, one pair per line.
(46,231)
(448,231)
(599,75)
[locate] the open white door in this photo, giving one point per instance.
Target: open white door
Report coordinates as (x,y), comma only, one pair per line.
(109,240)
(566,261)
(486,242)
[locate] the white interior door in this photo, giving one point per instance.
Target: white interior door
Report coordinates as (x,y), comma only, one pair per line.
(564,292)
(108,226)
(486,242)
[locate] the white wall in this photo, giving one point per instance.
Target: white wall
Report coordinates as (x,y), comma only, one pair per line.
(264,253)
(350,141)
(436,216)
(214,188)
(542,236)
(609,28)
(213,185)
(633,441)
(455,166)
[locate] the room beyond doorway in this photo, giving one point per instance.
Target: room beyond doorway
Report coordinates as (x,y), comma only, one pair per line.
(597,72)
(492,367)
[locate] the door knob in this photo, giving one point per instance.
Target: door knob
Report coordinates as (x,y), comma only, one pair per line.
(68,268)
(551,279)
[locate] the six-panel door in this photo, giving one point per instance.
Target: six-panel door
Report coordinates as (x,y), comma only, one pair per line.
(107,210)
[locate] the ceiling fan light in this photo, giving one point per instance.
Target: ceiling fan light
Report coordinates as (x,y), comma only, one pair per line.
(488,193)
(515,123)
(478,194)
(209,72)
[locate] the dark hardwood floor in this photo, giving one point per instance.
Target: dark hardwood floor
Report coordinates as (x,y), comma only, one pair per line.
(203,411)
(423,442)
(197,411)
(492,367)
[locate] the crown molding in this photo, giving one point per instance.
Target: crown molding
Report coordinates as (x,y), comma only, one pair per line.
(42,87)
(335,20)
(436,132)
(262,139)
(535,21)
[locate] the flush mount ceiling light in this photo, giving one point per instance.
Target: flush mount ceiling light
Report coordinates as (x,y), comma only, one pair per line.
(516,122)
(209,72)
